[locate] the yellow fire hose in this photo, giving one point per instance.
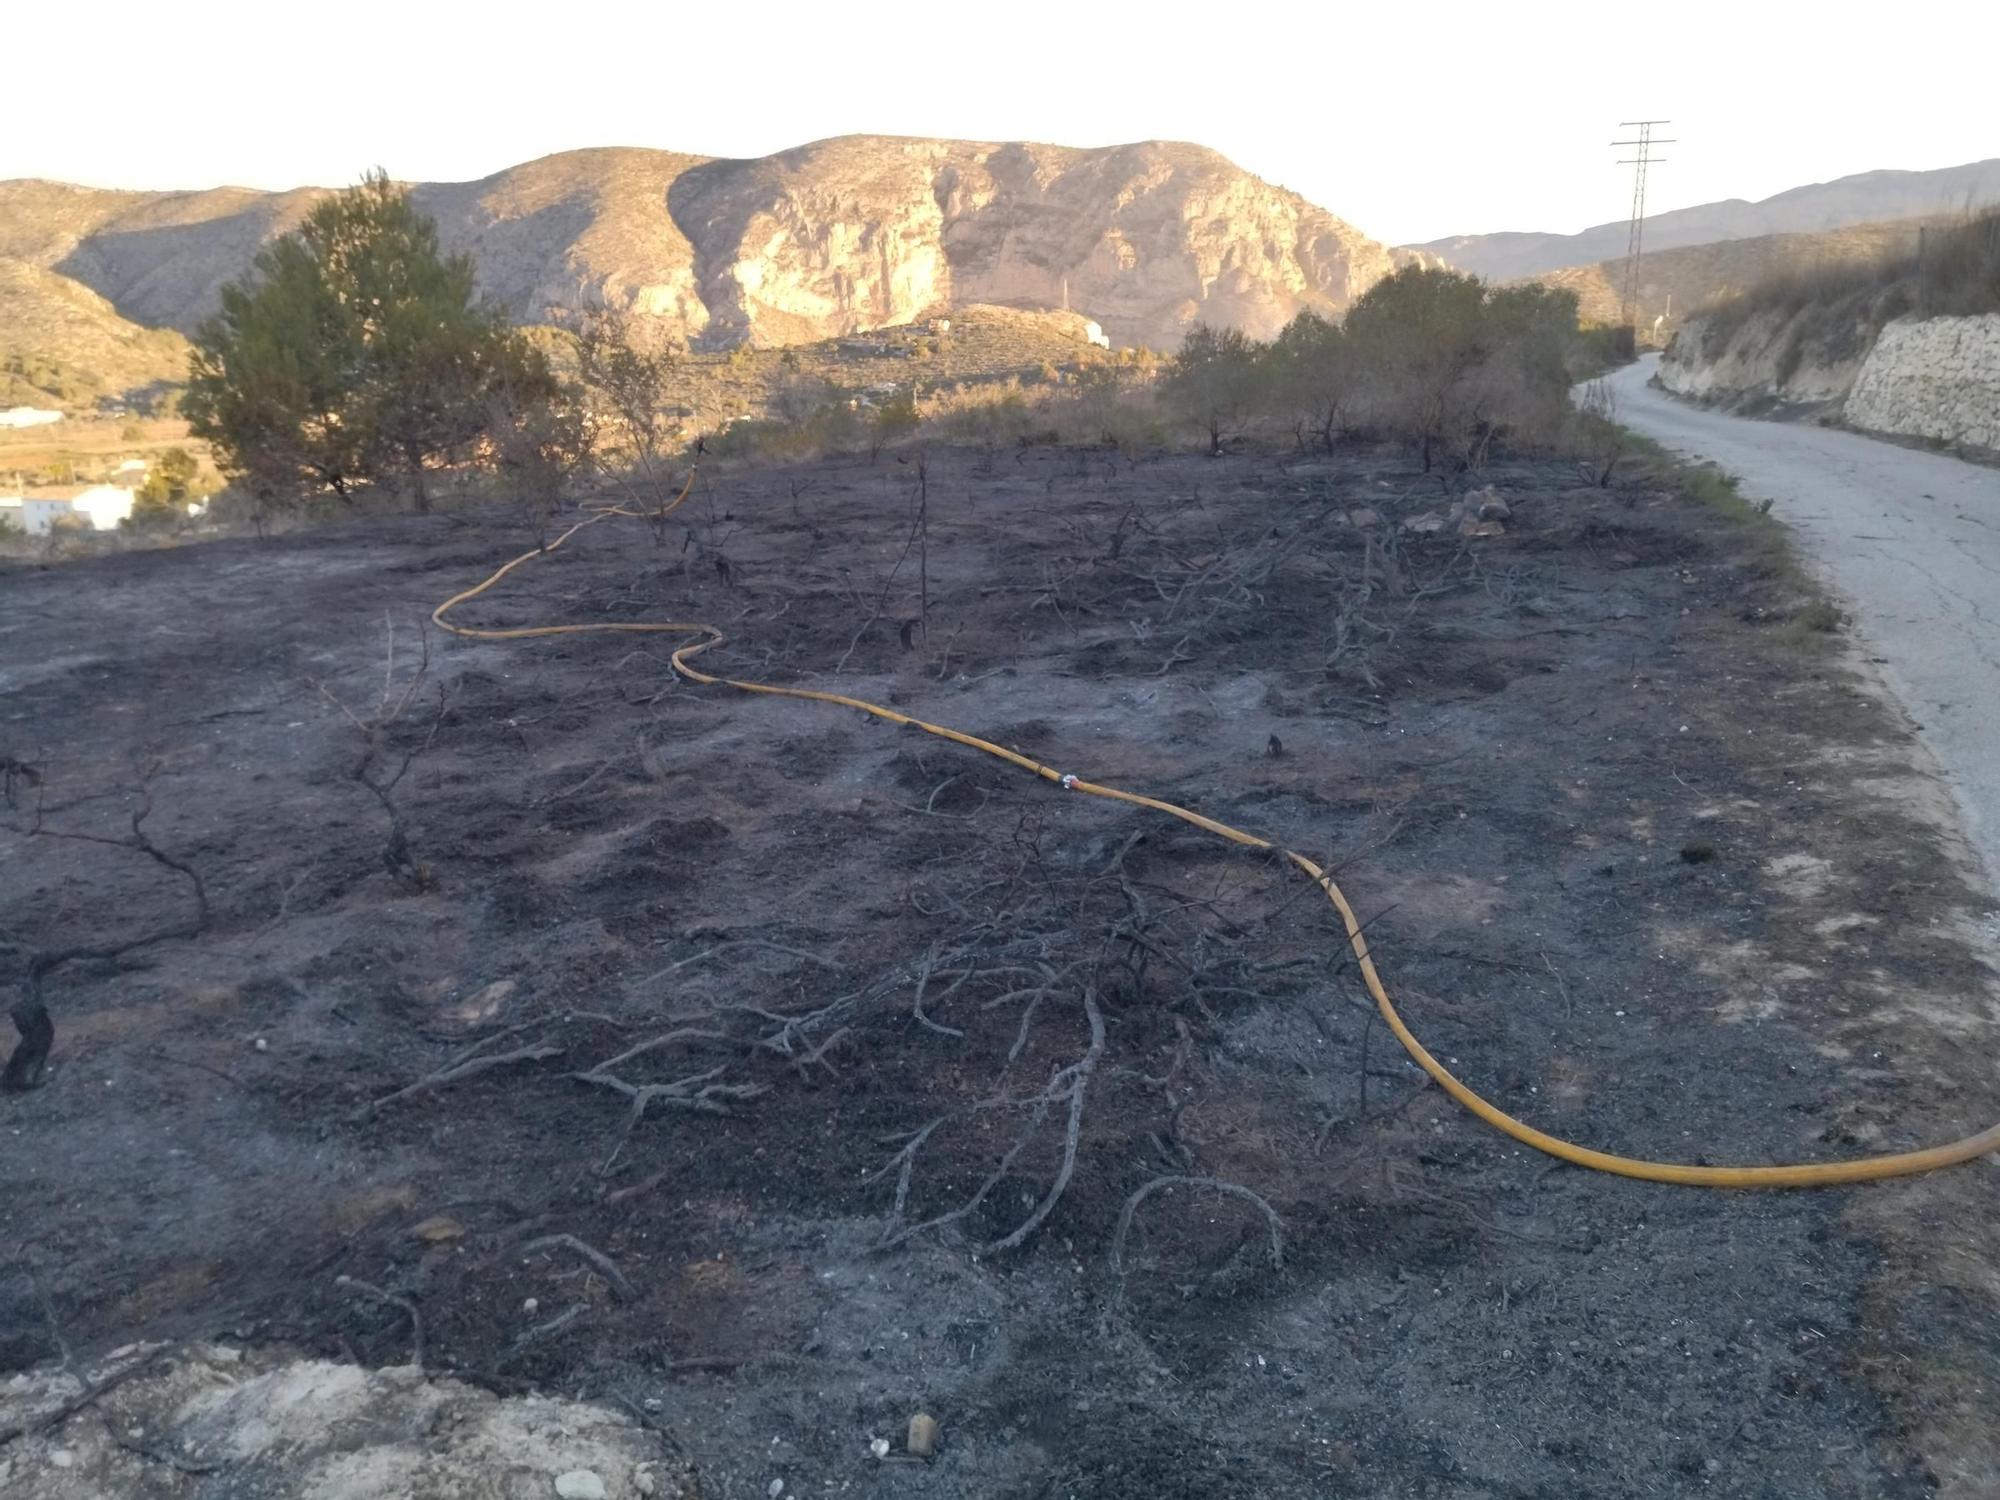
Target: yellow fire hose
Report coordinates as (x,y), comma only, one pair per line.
(1815,1174)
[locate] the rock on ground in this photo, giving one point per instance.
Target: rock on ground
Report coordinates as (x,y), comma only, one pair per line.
(211,1422)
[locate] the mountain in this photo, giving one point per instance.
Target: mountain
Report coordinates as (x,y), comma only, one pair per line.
(831,238)
(1863,198)
(62,345)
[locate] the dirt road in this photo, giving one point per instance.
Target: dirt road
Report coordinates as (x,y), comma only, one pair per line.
(1910,540)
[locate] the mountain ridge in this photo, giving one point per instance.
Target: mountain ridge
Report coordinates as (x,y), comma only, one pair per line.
(1859,198)
(823,239)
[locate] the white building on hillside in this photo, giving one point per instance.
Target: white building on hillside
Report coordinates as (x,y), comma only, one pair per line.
(1094,334)
(28,416)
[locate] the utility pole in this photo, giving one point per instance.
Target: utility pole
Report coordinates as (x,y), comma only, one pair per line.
(1645,141)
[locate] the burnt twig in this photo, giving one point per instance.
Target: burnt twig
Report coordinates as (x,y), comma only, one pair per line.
(1214,1184)
(89,1396)
(369,1289)
(597,1260)
(467,1064)
(371,770)
(38,1034)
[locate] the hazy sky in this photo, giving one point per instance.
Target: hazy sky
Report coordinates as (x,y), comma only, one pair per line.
(1410,120)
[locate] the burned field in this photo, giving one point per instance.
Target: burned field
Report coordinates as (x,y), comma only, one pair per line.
(777,1073)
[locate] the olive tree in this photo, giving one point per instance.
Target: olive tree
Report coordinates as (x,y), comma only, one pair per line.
(1311,375)
(1422,333)
(1215,380)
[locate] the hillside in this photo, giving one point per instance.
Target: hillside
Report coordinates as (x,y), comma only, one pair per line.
(1899,342)
(1866,197)
(984,344)
(1673,283)
(62,345)
(827,239)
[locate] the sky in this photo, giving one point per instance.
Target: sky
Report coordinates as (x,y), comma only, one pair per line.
(1410,121)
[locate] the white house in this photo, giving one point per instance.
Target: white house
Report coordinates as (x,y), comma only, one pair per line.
(105,504)
(1094,334)
(35,517)
(28,416)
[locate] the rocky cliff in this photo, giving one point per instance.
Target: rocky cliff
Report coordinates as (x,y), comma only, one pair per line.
(830,238)
(1802,361)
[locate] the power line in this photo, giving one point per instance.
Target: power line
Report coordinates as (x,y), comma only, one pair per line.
(1645,141)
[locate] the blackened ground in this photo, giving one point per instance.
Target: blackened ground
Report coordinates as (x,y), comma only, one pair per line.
(1640,852)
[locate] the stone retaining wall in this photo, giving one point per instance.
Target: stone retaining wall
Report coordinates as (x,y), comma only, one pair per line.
(1932,378)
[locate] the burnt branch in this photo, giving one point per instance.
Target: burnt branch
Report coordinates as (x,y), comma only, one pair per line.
(27,1066)
(468,1064)
(1066,1088)
(374,1293)
(1211,1184)
(597,1260)
(378,769)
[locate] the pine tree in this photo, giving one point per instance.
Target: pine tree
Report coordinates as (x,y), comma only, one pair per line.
(357,352)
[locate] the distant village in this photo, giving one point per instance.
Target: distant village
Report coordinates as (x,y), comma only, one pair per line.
(39,509)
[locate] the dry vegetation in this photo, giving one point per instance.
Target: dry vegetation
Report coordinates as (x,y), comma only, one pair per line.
(1428,358)
(1952,269)
(770,389)
(1432,360)
(88,450)
(63,346)
(1674,282)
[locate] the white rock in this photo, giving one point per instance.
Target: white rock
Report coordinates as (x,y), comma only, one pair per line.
(879,1447)
(775,1489)
(644,1482)
(579,1484)
(61,1458)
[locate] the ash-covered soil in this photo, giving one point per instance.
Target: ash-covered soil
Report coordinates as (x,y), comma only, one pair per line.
(847,1049)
